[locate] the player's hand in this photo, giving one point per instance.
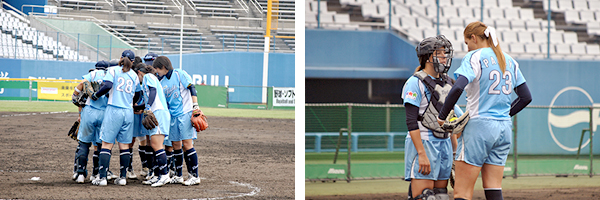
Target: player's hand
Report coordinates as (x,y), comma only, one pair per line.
(196,107)
(424,166)
(94,97)
(440,122)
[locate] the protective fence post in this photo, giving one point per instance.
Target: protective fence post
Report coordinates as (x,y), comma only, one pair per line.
(591,141)
(200,44)
(37,33)
(30,85)
(580,141)
(390,142)
(234,41)
(319,14)
(549,11)
(437,5)
(348,175)
(15,47)
(223,41)
(110,49)
(387,117)
(515,155)
(78,54)
(339,144)
(57,39)
(318,144)
(248,44)
(98,48)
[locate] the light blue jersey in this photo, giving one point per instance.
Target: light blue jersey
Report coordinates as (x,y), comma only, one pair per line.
(489,90)
(160,103)
(96,76)
(125,84)
(416,93)
(177,94)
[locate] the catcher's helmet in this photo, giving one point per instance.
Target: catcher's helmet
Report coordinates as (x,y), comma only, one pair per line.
(429,45)
(114,62)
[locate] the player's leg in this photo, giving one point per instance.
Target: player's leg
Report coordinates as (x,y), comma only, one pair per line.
(465,181)
(130,173)
(440,187)
(421,188)
(125,138)
(440,190)
(143,159)
(177,162)
(111,125)
(160,159)
(95,161)
(493,169)
(191,160)
(82,159)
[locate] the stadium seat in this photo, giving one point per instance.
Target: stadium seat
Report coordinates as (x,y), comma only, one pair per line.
(594,5)
(570,38)
(556,37)
(553,5)
(532,48)
(474,3)
(460,3)
(509,37)
(408,22)
(572,16)
(578,49)
(456,23)
(593,49)
(495,13)
(505,3)
(426,23)
(465,12)
(511,13)
(400,10)
(526,14)
(490,4)
(580,5)
(449,12)
(502,24)
(563,49)
(586,16)
(525,37)
(517,25)
(341,18)
(593,28)
(516,48)
(564,5)
(418,10)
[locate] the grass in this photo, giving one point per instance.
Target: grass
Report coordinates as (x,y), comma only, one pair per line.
(50,106)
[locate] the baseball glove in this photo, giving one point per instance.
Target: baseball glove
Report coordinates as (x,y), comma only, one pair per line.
(74,130)
(79,100)
(199,120)
(458,125)
(88,88)
(149,120)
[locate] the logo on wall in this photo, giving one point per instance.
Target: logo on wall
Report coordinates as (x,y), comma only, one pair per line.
(571,119)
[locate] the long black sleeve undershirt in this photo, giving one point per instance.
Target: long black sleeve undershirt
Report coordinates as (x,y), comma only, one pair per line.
(192,89)
(151,96)
(453,95)
(412,115)
(137,96)
(523,99)
(104,88)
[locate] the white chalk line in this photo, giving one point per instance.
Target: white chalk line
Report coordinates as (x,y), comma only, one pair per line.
(27,114)
(255,190)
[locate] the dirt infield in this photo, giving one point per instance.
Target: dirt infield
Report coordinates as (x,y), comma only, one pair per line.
(243,158)
(532,194)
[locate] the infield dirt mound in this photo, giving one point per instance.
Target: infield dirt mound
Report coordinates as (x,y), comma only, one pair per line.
(246,158)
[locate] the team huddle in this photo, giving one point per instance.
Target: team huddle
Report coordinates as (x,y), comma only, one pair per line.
(129,100)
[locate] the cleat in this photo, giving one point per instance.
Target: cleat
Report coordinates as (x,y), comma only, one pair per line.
(171,173)
(177,179)
(131,175)
(144,171)
(120,181)
(100,182)
(151,181)
(164,179)
(192,181)
(80,179)
(110,175)
(92,177)
(75,175)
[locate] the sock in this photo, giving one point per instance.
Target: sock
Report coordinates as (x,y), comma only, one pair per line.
(125,157)
(104,160)
(82,158)
(161,162)
(191,161)
(95,161)
(150,159)
(178,159)
(493,193)
(129,167)
(459,199)
(75,162)
(142,153)
(169,159)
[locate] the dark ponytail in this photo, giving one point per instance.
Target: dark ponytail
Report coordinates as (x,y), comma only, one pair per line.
(126,63)
(162,62)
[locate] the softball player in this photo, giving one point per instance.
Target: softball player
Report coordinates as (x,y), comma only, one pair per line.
(181,97)
(91,120)
(118,119)
(428,160)
(145,149)
(489,76)
(156,104)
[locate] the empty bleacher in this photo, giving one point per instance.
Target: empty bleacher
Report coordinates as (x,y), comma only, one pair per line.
(521,25)
(19,40)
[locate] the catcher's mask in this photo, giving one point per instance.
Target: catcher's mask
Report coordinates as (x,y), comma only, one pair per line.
(430,45)
(102,65)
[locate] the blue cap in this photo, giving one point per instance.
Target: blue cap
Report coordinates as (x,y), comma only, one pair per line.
(129,54)
(149,58)
(102,65)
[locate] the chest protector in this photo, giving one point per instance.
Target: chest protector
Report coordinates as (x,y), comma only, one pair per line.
(439,90)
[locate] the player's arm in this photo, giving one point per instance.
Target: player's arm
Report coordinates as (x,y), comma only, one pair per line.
(136,96)
(523,99)
(151,97)
(194,95)
(412,114)
(104,88)
(452,98)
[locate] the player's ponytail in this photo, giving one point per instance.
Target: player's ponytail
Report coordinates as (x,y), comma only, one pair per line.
(126,63)
(162,62)
(482,31)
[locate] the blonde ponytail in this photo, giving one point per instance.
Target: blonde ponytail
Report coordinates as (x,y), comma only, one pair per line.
(478,29)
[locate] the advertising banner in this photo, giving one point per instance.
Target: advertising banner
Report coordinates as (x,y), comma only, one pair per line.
(284,96)
(56,90)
